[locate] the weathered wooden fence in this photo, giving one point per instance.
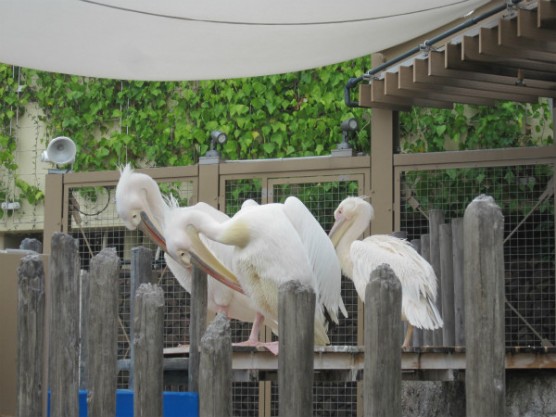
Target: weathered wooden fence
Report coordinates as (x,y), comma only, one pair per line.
(482,282)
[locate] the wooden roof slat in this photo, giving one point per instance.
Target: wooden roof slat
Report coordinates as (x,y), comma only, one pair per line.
(507,36)
(402,84)
(486,82)
(527,26)
(465,93)
(509,56)
(471,52)
(489,45)
(546,14)
(372,95)
(378,95)
(453,60)
(441,64)
(366,99)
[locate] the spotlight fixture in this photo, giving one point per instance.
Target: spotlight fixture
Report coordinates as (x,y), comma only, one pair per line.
(216,137)
(347,126)
(60,151)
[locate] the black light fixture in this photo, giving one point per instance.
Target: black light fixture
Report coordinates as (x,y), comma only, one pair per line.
(347,126)
(216,137)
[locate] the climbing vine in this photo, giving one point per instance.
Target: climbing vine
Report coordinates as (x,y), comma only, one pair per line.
(168,123)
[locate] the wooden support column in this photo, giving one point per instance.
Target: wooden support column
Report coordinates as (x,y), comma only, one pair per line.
(384,134)
(53,208)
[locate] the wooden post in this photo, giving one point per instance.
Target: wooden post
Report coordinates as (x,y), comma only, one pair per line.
(197,324)
(63,270)
(31,244)
(141,273)
(83,333)
(103,333)
(447,296)
(148,323)
(436,218)
(296,321)
(382,372)
(30,336)
(215,378)
(428,339)
(459,302)
(483,229)
(417,333)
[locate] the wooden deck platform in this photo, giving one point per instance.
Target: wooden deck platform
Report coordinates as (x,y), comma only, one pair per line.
(346,363)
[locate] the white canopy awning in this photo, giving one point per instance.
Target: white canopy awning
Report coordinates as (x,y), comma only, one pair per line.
(210,39)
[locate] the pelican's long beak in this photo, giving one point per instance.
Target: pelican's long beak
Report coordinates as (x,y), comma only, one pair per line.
(148,227)
(338,230)
(204,258)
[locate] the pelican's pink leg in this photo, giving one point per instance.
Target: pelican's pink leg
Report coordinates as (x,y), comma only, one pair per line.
(254,335)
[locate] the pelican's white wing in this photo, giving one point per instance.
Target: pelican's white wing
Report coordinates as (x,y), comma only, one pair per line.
(416,275)
(321,252)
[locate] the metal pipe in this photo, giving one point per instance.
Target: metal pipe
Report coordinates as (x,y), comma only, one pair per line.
(422,47)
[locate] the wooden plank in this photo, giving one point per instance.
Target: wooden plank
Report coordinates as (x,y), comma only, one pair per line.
(141,273)
(103,333)
(400,103)
(483,228)
(84,303)
(382,375)
(413,85)
(459,299)
(477,81)
(417,333)
(197,324)
(30,335)
(507,36)
(481,80)
(546,15)
(471,52)
(296,312)
(63,372)
(215,379)
(527,27)
(489,45)
(447,274)
(454,59)
(428,338)
(148,324)
(436,218)
(464,95)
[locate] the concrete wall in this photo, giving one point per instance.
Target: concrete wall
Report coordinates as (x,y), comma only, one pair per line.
(529,393)
(31,142)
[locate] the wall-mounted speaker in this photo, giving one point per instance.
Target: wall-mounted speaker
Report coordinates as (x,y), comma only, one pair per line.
(60,151)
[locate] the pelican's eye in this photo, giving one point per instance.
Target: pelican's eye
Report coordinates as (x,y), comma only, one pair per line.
(182,254)
(134,216)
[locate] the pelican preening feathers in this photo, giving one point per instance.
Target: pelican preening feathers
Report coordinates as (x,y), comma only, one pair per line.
(252,253)
(360,257)
(273,243)
(140,205)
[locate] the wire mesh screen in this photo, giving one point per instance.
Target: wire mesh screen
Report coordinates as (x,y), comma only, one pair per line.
(330,399)
(321,198)
(94,222)
(525,195)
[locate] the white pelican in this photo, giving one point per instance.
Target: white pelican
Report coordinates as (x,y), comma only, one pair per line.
(140,204)
(360,257)
(273,243)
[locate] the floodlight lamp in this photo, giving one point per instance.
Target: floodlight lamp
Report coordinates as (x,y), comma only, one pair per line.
(216,137)
(349,125)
